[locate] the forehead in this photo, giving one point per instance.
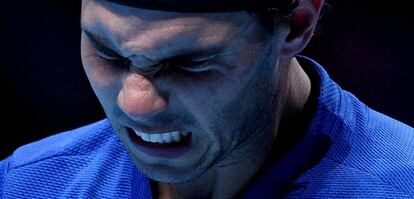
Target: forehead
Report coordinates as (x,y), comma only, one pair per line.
(133,29)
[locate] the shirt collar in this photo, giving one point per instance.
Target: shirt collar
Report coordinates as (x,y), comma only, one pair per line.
(314,144)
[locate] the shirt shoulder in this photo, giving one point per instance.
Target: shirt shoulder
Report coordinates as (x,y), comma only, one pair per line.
(88,162)
(368,154)
(81,141)
(372,155)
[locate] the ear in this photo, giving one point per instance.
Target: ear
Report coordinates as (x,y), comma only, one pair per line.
(301,24)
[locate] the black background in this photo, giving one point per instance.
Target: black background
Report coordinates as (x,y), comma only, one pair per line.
(366,46)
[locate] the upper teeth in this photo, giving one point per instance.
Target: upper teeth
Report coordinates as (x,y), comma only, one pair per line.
(168,137)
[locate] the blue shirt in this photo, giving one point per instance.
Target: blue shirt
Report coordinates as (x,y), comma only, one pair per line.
(349,150)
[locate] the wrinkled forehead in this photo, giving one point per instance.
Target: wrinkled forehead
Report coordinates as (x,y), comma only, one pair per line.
(132,30)
(105,17)
(154,10)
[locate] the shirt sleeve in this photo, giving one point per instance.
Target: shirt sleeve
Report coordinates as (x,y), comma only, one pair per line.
(3,171)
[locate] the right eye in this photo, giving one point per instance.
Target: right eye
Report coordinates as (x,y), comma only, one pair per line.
(107,56)
(106,53)
(114,58)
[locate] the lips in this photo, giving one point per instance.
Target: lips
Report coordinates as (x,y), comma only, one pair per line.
(164,145)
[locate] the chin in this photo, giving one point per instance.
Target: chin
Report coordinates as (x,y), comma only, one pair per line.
(171,175)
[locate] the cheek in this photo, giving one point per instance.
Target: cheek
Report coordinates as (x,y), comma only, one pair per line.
(105,82)
(215,105)
(206,92)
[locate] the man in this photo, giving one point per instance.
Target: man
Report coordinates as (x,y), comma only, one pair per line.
(209,100)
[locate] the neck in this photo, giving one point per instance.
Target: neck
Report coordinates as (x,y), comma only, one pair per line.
(227,181)
(297,90)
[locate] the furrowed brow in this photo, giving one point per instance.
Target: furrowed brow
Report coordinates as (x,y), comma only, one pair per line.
(195,54)
(100,42)
(104,45)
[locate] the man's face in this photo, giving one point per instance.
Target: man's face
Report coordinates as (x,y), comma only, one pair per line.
(210,75)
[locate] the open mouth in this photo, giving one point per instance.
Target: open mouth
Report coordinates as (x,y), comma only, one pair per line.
(167,144)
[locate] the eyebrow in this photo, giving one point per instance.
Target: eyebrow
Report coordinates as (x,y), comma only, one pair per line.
(100,42)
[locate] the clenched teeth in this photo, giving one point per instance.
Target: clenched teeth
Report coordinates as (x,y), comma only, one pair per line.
(168,137)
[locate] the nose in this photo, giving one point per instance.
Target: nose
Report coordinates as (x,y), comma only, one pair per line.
(139,98)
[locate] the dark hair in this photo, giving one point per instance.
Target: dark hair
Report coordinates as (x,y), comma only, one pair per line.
(279,11)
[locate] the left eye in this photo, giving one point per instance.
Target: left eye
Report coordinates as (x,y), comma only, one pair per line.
(193,66)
